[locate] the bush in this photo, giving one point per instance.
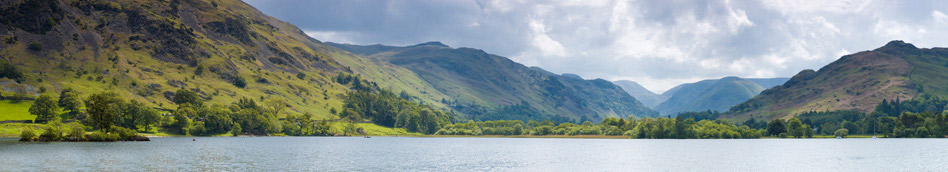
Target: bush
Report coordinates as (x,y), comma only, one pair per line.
(35,46)
(53,131)
(300,75)
(76,131)
(922,132)
(124,133)
(240,82)
(100,136)
(235,130)
(27,134)
(8,70)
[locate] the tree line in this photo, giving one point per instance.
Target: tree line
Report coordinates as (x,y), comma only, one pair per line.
(921,117)
(367,102)
(652,128)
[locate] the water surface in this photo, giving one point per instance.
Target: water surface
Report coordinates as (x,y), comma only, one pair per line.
(477,154)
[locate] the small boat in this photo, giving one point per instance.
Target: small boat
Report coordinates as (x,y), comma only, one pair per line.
(873,136)
(839,137)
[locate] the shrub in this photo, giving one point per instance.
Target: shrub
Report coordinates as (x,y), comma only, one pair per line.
(53,131)
(235,130)
(124,133)
(76,131)
(922,132)
(8,70)
(240,82)
(103,137)
(27,134)
(300,75)
(35,46)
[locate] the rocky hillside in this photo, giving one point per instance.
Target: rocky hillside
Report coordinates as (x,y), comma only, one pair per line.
(145,50)
(487,86)
(858,81)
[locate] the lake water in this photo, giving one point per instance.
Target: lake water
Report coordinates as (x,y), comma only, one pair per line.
(477,154)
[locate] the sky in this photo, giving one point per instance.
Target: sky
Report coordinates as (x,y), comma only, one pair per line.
(657,43)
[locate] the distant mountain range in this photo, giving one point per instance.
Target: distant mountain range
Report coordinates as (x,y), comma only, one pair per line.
(647,97)
(858,81)
(227,50)
(713,94)
(490,87)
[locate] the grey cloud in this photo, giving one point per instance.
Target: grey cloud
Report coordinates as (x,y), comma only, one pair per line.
(656,43)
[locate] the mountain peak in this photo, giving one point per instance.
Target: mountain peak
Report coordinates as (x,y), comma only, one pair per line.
(570,75)
(897,47)
(432,43)
(729,78)
(899,44)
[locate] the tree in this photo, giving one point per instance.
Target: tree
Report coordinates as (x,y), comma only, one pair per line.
(183,97)
(102,109)
(276,106)
(842,132)
(8,70)
(71,102)
(808,132)
(147,118)
(911,120)
(240,82)
(922,132)
(44,108)
(796,128)
(849,126)
(199,70)
(680,128)
(181,120)
(775,127)
(300,75)
(349,127)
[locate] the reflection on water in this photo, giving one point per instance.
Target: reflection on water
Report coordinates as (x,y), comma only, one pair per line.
(477,154)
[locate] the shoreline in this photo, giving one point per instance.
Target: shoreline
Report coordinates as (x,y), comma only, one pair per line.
(525,136)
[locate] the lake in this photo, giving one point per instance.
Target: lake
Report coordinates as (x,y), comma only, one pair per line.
(476,154)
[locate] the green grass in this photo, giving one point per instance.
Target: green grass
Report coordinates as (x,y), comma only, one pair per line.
(15,111)
(376,130)
(13,129)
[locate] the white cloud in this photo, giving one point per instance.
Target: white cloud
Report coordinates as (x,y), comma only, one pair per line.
(658,44)
(339,37)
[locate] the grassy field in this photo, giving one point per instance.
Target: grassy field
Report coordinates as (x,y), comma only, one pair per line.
(13,129)
(375,130)
(15,111)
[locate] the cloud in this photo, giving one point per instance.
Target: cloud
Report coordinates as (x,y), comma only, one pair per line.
(659,44)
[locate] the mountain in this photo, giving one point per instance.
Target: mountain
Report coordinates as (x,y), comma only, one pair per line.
(768,82)
(858,81)
(647,97)
(715,94)
(145,50)
(488,86)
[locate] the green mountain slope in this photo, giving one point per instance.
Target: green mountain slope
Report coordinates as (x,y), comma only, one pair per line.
(858,81)
(145,50)
(488,86)
(647,97)
(716,94)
